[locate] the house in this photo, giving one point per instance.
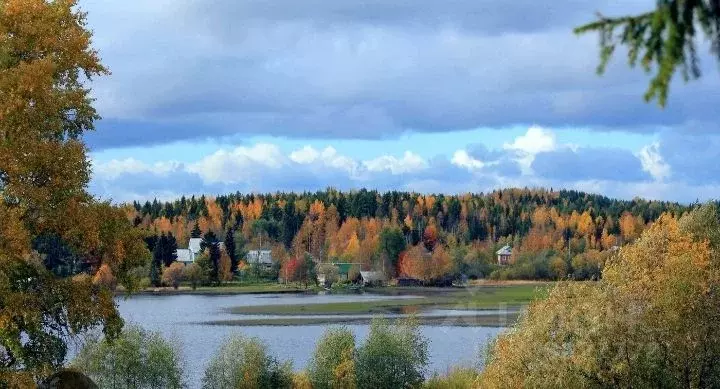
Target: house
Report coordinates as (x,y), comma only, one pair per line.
(372,277)
(261,257)
(503,255)
(344,269)
(185,256)
(194,245)
(190,254)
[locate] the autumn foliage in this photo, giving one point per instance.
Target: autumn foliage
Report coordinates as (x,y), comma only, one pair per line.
(173,274)
(46,65)
(650,321)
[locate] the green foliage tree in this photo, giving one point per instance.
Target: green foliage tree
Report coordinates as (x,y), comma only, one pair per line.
(392,243)
(137,359)
(229,243)
(306,272)
(392,356)
(661,40)
(651,321)
(194,274)
(333,351)
(243,363)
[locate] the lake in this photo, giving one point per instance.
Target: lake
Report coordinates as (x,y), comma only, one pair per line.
(180,319)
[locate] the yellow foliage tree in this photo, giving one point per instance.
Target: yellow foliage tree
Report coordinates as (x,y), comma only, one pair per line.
(46,63)
(651,321)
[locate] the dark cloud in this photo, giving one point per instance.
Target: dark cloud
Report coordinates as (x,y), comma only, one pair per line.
(693,159)
(608,164)
(483,15)
(366,69)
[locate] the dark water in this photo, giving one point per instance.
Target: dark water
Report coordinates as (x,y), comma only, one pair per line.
(178,319)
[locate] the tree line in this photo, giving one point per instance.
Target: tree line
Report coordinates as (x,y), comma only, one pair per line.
(431,238)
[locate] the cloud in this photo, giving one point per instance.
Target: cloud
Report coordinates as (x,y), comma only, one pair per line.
(238,165)
(267,167)
(463,159)
(366,69)
(410,162)
(536,140)
(583,164)
(652,162)
(692,159)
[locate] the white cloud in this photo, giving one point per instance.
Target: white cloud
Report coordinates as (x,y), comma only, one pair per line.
(536,140)
(238,165)
(463,159)
(331,158)
(410,162)
(305,155)
(116,167)
(653,163)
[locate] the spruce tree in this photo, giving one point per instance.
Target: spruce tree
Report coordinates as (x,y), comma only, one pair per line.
(196,233)
(155,266)
(230,249)
(214,254)
(169,249)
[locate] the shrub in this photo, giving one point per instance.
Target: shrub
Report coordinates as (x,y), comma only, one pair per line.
(392,356)
(137,359)
(243,363)
(173,274)
(194,274)
(457,378)
(329,365)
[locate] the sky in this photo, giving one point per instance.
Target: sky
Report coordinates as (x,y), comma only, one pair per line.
(454,96)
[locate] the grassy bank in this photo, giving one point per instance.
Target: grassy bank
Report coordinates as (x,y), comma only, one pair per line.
(228,289)
(481,297)
(499,320)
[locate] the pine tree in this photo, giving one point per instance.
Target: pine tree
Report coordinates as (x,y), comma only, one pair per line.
(155,266)
(214,254)
(230,249)
(196,233)
(169,249)
(207,240)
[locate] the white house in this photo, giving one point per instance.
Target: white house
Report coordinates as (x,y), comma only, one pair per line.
(190,254)
(194,245)
(503,255)
(185,256)
(261,257)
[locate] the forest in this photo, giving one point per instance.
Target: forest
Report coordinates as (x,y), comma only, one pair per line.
(431,238)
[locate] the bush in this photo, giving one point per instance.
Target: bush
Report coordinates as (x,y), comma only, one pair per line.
(137,359)
(173,274)
(457,378)
(194,274)
(244,363)
(332,360)
(392,356)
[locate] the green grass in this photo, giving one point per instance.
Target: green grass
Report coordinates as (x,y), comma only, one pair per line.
(232,288)
(486,297)
(499,320)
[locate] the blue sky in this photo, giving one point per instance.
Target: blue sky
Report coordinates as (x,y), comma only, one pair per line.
(218,96)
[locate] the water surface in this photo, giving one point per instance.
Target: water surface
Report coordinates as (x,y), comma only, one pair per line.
(179,318)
